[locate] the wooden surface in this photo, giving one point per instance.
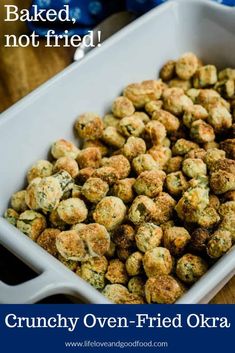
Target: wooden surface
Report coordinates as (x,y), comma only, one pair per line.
(21,71)
(24,69)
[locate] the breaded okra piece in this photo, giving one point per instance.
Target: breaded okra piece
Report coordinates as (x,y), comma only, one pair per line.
(157,261)
(177,82)
(222,181)
(193,200)
(116,272)
(227,208)
(144,92)
(40,169)
(176,183)
(199,239)
(168,70)
(190,268)
(186,66)
(18,201)
(182,146)
(122,107)
(120,163)
(201,132)
(152,106)
(31,223)
(133,147)
(119,294)
(95,189)
(112,137)
(90,241)
(89,126)
(11,216)
(196,153)
(161,155)
(214,202)
(150,183)
(136,285)
(193,93)
(110,212)
(89,157)
(131,126)
(228,223)
(148,236)
(108,174)
(175,101)
(205,76)
(219,118)
(208,217)
(213,156)
(124,236)
(225,164)
(192,167)
(111,120)
(155,131)
(123,189)
(56,221)
(194,113)
(48,193)
(71,246)
(144,162)
(47,240)
(65,180)
(142,210)
(96,238)
(229,147)
(170,121)
(174,164)
(175,239)
(134,264)
(227,73)
(164,208)
(93,271)
(163,289)
(219,243)
(226,88)
(64,148)
(98,144)
(72,211)
(68,164)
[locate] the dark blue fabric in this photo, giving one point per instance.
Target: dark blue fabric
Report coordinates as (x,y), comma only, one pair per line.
(89,13)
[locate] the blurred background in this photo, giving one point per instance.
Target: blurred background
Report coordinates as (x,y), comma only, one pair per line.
(21,71)
(24,69)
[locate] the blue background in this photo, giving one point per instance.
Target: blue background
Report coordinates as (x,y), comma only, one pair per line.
(181,340)
(88,13)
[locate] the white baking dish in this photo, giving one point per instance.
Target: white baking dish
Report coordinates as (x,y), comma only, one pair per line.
(30,126)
